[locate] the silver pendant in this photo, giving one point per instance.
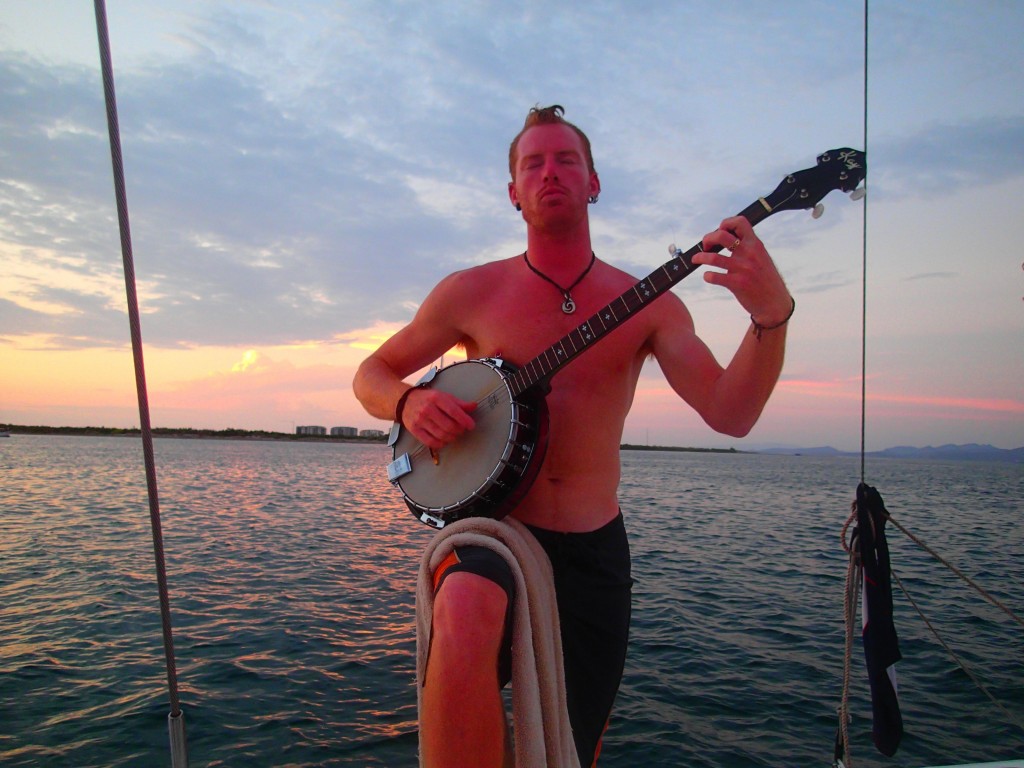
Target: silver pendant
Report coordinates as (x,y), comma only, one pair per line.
(568,306)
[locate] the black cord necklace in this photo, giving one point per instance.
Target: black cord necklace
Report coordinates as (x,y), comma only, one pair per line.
(568,305)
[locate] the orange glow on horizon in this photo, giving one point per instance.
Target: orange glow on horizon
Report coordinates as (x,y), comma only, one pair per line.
(309,382)
(840,389)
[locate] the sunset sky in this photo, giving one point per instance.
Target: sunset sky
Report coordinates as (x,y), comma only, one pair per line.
(301,173)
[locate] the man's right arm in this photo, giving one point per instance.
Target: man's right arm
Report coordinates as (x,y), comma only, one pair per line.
(434,417)
(378,388)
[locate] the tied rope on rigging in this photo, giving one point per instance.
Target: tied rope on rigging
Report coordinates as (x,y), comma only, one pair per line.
(176,718)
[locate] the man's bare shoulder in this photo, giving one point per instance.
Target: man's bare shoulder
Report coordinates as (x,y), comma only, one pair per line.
(477,277)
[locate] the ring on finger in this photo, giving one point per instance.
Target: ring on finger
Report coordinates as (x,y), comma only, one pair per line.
(735,245)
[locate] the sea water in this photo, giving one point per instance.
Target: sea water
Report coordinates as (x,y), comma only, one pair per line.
(292,564)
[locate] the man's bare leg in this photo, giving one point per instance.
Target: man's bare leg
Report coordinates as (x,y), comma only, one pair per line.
(463,717)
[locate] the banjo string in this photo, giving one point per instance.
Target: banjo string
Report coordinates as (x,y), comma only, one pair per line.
(486,403)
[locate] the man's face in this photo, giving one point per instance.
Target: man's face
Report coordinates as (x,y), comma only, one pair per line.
(552,182)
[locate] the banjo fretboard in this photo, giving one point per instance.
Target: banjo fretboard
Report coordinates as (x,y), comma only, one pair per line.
(541,368)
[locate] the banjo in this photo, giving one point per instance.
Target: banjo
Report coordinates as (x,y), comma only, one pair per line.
(489,469)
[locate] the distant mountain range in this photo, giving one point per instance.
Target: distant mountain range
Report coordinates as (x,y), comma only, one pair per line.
(968,452)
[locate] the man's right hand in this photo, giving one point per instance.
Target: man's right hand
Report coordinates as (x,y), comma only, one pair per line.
(436,418)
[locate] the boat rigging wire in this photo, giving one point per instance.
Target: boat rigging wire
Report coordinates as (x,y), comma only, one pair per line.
(842,757)
(854,574)
(967,671)
(176,718)
(963,576)
(864,268)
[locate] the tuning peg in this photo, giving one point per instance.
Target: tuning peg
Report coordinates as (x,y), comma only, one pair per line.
(858,193)
(673,250)
(818,209)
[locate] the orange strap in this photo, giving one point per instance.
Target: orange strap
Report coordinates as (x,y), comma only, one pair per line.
(448,562)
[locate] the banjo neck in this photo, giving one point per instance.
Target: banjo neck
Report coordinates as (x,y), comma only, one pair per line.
(836,169)
(540,370)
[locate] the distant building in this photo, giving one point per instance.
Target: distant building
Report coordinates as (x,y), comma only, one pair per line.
(311,430)
(344,431)
(371,433)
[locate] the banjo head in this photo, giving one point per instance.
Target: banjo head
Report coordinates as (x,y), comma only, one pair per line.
(475,474)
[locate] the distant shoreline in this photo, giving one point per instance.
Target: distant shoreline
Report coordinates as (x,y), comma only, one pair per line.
(191,434)
(677,449)
(968,452)
(250,434)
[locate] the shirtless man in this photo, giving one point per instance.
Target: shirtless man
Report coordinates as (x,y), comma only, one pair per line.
(512,308)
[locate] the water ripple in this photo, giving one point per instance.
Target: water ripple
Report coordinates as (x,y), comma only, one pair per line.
(292,570)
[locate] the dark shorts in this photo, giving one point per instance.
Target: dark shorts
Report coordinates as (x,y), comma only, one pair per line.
(592,586)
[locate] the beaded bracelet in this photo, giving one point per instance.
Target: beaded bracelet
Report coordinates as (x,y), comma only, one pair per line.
(758,329)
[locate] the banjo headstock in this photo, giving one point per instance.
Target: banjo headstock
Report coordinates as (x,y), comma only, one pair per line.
(843,169)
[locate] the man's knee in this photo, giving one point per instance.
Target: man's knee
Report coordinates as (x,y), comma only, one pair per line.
(469,614)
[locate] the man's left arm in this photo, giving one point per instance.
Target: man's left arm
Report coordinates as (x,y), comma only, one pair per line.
(730,399)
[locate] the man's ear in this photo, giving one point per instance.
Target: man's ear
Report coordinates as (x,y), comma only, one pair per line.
(513,196)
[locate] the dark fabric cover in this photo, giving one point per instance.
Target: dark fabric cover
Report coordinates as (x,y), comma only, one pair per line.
(881,645)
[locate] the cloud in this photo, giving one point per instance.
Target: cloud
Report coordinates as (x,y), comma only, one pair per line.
(242,221)
(287,180)
(258,374)
(293,171)
(933,276)
(249,359)
(947,157)
(302,173)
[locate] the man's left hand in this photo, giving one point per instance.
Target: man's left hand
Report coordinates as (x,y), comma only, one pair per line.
(746,270)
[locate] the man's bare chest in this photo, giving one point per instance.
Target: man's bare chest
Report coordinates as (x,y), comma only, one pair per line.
(519,322)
